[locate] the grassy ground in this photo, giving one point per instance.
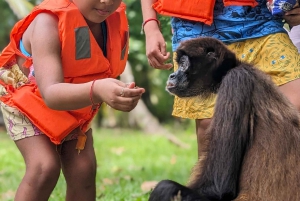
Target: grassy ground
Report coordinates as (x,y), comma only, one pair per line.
(127,161)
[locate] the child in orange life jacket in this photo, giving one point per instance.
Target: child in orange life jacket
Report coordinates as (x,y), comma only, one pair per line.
(59,66)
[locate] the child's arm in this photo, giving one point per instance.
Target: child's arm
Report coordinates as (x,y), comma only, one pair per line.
(45,48)
(155,42)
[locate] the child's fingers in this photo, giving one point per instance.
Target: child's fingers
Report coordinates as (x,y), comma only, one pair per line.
(130,85)
(130,90)
(131,93)
(125,103)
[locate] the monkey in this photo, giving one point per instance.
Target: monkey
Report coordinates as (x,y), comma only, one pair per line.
(253,149)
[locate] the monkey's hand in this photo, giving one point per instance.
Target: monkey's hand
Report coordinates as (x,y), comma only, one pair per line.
(167,190)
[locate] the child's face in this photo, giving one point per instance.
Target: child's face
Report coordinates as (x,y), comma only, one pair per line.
(97,11)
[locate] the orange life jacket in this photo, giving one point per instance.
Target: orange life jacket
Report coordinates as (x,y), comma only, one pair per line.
(82,61)
(195,10)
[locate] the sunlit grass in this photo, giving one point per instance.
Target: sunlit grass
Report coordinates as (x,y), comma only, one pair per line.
(125,158)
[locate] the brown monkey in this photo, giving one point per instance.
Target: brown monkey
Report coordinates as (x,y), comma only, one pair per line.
(254,145)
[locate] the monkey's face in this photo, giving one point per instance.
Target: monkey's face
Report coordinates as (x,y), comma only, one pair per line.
(188,80)
(181,80)
(202,64)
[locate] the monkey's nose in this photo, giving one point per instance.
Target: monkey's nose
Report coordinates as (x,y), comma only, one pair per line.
(170,84)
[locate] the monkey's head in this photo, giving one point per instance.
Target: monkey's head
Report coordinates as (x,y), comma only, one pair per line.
(202,64)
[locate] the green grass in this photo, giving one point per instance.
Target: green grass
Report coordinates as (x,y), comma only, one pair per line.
(125,158)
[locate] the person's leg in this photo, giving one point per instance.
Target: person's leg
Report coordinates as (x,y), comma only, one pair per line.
(79,170)
(202,138)
(42,168)
(292,91)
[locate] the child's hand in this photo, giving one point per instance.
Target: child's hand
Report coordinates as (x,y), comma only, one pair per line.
(292,17)
(116,94)
(156,51)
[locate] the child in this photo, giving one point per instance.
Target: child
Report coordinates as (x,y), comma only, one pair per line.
(58,68)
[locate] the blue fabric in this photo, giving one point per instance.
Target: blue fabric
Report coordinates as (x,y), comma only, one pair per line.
(231,24)
(22,49)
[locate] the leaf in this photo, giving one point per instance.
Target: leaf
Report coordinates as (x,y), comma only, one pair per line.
(173,160)
(118,150)
(148,185)
(107,181)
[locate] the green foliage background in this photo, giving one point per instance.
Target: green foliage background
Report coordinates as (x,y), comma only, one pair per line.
(8,19)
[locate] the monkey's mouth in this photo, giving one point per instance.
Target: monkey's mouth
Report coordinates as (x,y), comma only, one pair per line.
(170,85)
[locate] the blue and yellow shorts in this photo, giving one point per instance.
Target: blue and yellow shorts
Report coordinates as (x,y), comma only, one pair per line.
(274,54)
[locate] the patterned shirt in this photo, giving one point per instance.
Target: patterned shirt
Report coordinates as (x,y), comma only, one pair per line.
(231,24)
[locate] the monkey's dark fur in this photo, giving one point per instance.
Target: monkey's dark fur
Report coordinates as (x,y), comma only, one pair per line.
(254,136)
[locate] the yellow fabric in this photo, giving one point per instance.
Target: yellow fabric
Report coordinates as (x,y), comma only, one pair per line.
(12,76)
(274,54)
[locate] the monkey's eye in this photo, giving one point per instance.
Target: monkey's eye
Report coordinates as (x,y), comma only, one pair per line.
(211,55)
(184,63)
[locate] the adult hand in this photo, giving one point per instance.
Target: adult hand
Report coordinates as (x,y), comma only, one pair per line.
(292,17)
(156,50)
(116,94)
